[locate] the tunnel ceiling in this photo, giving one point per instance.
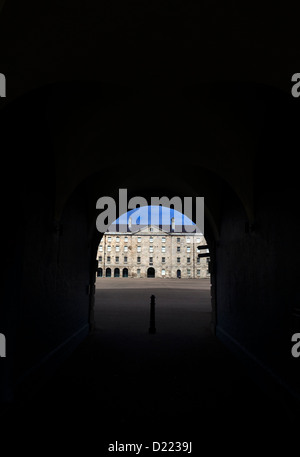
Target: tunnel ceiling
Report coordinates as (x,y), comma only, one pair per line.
(145,139)
(120,83)
(122,135)
(132,41)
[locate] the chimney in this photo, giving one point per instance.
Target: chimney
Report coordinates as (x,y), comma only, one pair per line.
(172,224)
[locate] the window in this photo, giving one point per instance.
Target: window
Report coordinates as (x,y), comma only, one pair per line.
(108,258)
(125,248)
(178,240)
(188,249)
(151,260)
(117,248)
(109,239)
(163,272)
(100,258)
(139,248)
(109,248)
(125,259)
(188,271)
(178,248)
(198,241)
(117,259)
(100,248)
(151,239)
(188,240)
(117,239)
(198,259)
(198,272)
(163,259)
(126,239)
(178,259)
(138,259)
(139,239)
(138,271)
(151,229)
(188,260)
(163,249)
(163,240)
(151,249)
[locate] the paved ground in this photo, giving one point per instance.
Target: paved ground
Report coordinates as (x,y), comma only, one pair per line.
(150,283)
(182,306)
(123,384)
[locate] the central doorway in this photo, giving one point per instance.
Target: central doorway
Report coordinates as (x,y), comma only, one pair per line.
(150,272)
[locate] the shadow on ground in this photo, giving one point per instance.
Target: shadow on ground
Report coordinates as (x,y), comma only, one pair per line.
(123,384)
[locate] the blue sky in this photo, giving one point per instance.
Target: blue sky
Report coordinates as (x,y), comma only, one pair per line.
(157,215)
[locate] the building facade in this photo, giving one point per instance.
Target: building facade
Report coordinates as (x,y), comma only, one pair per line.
(152,252)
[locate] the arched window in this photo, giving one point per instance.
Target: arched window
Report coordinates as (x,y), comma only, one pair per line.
(117,273)
(108,273)
(125,272)
(100,272)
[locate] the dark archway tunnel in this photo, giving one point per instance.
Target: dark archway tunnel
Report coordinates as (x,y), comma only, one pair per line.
(237,149)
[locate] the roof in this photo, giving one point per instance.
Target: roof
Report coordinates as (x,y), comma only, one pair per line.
(144,228)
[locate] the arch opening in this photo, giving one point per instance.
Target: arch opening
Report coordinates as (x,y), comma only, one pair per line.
(154,241)
(151,272)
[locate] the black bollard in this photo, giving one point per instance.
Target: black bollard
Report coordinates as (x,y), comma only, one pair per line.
(152,328)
